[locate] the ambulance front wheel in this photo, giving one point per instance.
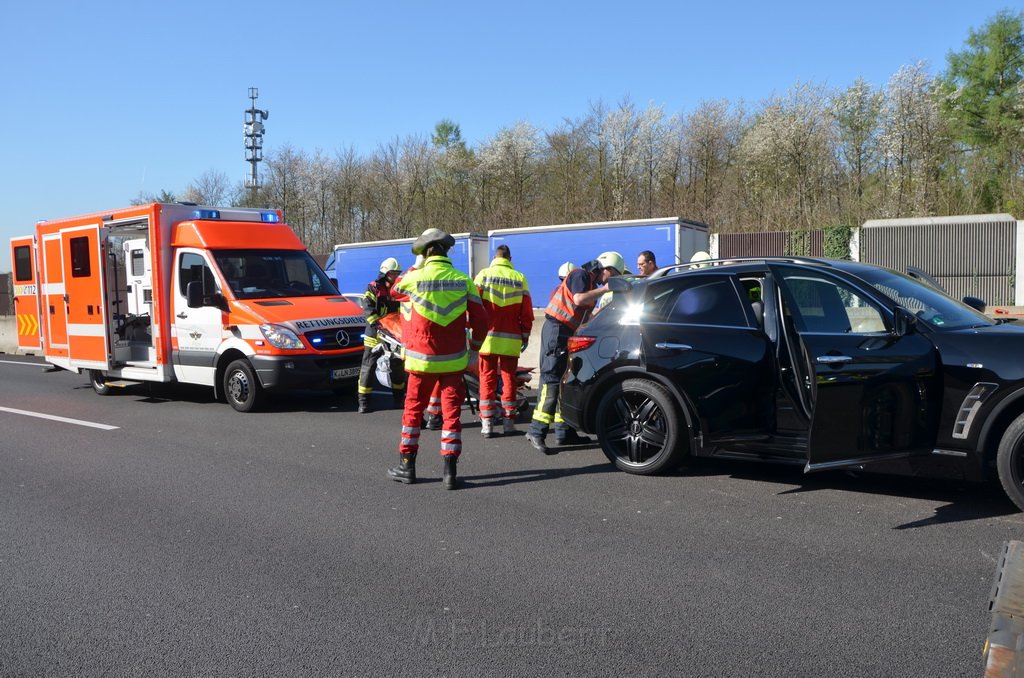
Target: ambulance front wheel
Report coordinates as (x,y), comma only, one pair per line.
(98,382)
(241,386)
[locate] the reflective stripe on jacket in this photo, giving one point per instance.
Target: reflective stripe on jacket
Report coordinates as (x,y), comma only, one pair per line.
(561,306)
(377,301)
(439,303)
(506,296)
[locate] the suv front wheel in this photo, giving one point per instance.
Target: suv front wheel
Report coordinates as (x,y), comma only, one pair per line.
(639,426)
(1010,461)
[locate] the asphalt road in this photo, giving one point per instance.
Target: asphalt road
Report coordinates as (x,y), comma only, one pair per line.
(193,540)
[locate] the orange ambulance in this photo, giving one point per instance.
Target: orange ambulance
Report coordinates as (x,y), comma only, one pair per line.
(224,297)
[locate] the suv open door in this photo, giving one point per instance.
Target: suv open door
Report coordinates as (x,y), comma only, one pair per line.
(873,390)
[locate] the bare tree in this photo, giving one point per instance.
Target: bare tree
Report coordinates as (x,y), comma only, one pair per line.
(568,166)
(788,160)
(508,163)
(857,117)
(710,137)
(211,188)
(283,186)
(914,140)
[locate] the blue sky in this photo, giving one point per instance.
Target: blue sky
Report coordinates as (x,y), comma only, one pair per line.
(103,100)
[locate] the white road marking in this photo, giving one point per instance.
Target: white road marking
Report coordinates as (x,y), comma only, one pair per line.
(66,420)
(22,362)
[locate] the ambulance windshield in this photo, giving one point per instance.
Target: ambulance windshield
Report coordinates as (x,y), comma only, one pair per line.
(262,274)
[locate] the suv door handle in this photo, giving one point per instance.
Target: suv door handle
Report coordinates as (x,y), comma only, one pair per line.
(675,347)
(183,315)
(833,359)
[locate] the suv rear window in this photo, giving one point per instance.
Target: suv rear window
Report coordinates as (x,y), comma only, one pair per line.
(697,301)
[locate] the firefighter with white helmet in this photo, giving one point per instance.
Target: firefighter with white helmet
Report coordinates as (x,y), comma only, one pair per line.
(570,305)
(377,303)
(565,269)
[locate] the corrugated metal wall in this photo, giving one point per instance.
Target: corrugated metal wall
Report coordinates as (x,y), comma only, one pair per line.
(771,244)
(971,258)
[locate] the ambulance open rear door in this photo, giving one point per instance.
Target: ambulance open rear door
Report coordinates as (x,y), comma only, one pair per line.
(85,297)
(26,297)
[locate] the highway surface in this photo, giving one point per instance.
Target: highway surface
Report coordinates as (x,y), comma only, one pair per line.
(158,532)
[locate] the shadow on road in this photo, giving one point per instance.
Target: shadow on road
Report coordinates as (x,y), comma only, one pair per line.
(531,475)
(964,501)
(292,401)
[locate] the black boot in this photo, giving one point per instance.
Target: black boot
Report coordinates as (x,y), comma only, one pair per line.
(405,472)
(432,422)
(364,404)
(449,477)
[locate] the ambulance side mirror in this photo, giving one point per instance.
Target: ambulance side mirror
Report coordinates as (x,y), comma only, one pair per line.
(195,298)
(194,294)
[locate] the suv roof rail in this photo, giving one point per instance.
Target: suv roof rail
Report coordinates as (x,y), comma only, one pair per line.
(662,272)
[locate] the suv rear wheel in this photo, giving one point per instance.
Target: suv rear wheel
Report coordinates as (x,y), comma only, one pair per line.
(1010,461)
(640,426)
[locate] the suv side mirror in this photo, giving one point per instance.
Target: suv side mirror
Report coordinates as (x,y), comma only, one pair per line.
(903,321)
(619,284)
(976,303)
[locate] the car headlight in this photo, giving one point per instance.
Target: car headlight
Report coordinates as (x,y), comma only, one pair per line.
(280,337)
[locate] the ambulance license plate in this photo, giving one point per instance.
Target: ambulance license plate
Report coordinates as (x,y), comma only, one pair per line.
(344,373)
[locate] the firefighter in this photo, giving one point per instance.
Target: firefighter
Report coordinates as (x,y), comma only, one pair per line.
(439,303)
(569,306)
(506,296)
(432,415)
(377,303)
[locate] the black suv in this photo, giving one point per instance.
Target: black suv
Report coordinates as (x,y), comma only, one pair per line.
(823,363)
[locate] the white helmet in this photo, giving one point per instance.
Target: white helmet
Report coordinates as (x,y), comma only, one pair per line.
(389,264)
(419,261)
(565,269)
(699,255)
(612,260)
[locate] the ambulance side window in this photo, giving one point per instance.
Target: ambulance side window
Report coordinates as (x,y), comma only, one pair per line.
(22,264)
(192,267)
(80,257)
(138,263)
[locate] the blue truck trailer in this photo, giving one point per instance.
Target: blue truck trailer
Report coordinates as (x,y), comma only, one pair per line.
(353,265)
(538,251)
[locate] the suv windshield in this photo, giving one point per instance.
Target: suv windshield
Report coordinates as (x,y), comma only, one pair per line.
(933,307)
(259,274)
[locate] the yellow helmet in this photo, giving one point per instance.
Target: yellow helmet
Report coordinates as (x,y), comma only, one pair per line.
(389,264)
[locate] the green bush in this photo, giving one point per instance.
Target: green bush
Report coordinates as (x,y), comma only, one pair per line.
(837,242)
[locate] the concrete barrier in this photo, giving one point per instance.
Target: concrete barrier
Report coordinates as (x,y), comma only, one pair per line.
(8,334)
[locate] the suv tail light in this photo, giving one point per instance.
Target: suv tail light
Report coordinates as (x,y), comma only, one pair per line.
(577,344)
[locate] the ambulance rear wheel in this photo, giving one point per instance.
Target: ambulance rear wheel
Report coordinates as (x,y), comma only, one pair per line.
(241,386)
(99,382)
